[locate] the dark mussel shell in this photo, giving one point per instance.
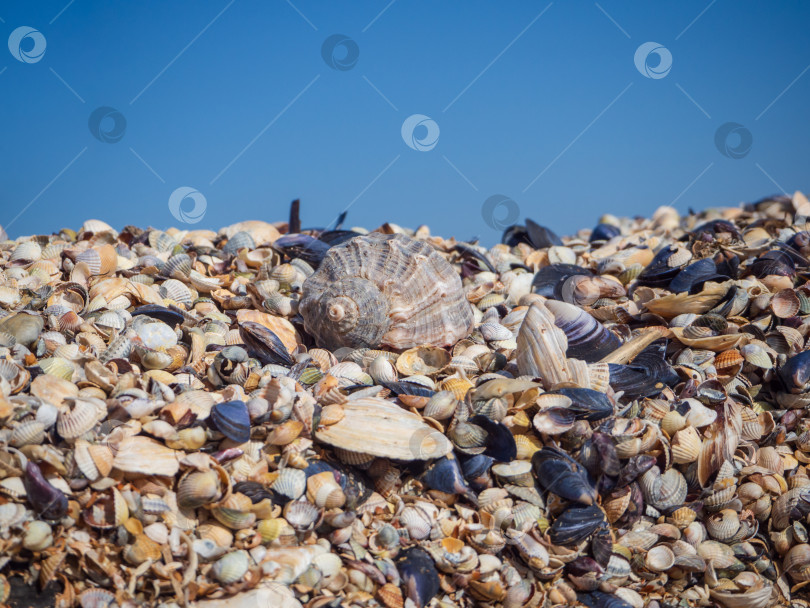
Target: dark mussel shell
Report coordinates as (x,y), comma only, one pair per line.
(303,247)
(635,468)
(598,454)
(693,277)
(604,232)
(501,444)
(587,404)
(468,251)
(800,242)
(646,376)
(254,490)
(728,264)
(773,262)
(557,472)
(540,236)
(600,599)
(231,418)
(549,279)
(588,339)
(409,388)
(709,230)
(46,500)
(476,469)
(445,476)
(355,485)
(419,577)
(161,313)
(576,523)
(265,345)
(533,234)
(583,565)
(795,373)
(659,273)
(337,237)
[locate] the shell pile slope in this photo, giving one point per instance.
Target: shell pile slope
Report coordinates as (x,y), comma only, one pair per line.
(259,417)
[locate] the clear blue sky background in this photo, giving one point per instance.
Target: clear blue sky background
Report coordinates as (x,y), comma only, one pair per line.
(515,95)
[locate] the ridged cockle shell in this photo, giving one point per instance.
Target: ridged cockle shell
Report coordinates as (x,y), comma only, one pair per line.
(383,289)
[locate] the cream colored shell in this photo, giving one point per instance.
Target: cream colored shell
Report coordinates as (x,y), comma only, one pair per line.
(383,289)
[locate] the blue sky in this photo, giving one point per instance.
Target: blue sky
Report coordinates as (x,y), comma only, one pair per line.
(538,102)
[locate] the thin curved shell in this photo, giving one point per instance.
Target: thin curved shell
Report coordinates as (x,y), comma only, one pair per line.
(379,428)
(407,294)
(143,455)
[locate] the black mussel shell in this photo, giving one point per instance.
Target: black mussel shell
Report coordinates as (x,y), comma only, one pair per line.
(601,451)
(468,251)
(602,545)
(575,524)
(355,485)
(445,476)
(800,241)
(476,468)
(583,565)
(337,237)
(693,277)
(659,273)
(711,229)
(548,280)
(161,313)
(254,490)
(46,500)
(231,418)
(541,237)
(557,472)
(773,262)
(532,234)
(795,373)
(303,247)
(646,376)
(264,345)
(635,468)
(728,264)
(588,339)
(408,388)
(604,232)
(587,404)
(500,442)
(417,570)
(600,599)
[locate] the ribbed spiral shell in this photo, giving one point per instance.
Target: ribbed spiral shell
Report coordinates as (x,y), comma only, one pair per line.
(388,290)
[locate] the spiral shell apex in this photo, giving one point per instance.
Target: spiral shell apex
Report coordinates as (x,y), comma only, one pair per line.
(387,290)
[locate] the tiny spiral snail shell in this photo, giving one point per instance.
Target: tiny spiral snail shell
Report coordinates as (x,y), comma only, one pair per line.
(383,289)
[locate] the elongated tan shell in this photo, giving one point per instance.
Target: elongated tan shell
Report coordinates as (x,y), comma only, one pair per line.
(379,428)
(383,289)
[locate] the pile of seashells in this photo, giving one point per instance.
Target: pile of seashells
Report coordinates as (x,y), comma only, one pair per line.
(266,416)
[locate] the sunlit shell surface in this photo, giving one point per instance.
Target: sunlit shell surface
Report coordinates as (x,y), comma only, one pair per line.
(261,417)
(385,290)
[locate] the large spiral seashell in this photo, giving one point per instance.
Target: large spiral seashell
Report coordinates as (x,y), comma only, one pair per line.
(388,290)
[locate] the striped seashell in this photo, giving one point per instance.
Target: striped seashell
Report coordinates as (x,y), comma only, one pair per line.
(232,567)
(382,370)
(177,266)
(493,331)
(324,491)
(100,260)
(176,291)
(422,304)
(291,483)
(79,416)
(30,432)
(26,252)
